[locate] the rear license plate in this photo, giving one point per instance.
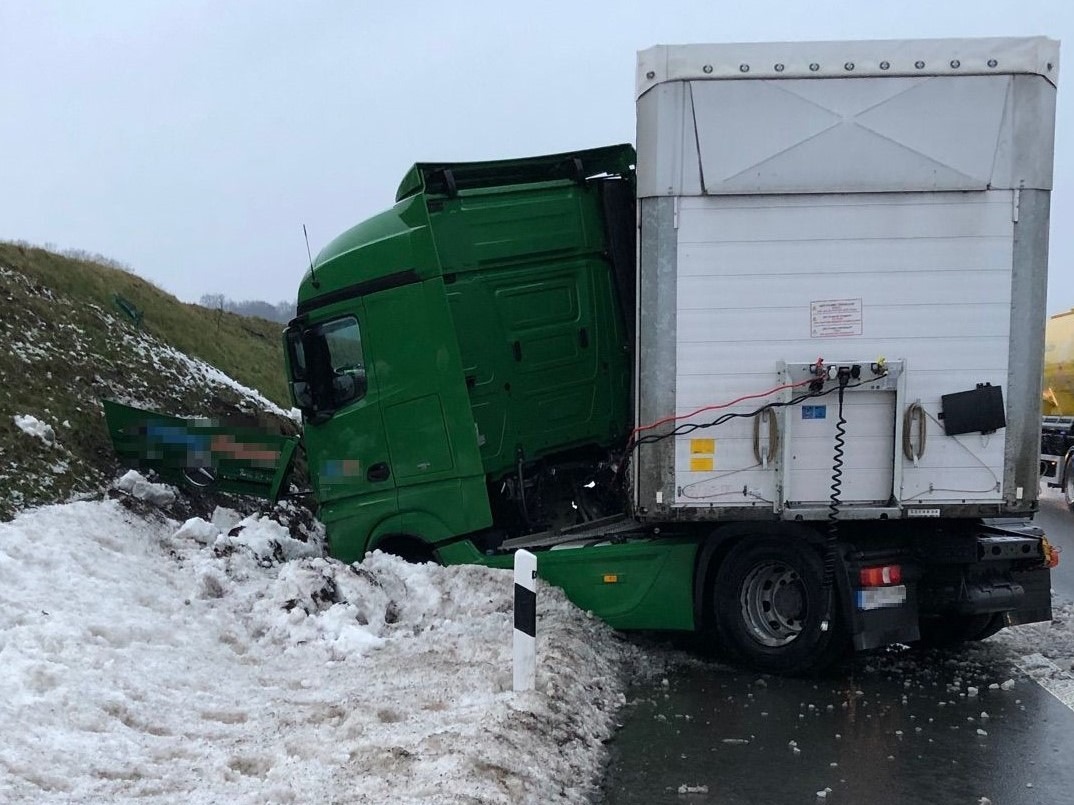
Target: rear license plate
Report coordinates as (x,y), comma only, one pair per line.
(880,597)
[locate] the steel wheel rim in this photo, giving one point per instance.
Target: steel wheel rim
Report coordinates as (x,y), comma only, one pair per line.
(1068,484)
(773,603)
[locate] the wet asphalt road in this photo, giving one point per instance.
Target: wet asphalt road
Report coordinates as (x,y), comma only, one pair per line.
(902,727)
(1058,523)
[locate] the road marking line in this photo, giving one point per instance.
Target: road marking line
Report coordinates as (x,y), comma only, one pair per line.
(1049,676)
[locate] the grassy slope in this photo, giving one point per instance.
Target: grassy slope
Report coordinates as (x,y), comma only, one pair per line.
(247,349)
(64,345)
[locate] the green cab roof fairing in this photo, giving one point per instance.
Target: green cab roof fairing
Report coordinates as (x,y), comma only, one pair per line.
(448,178)
(392,241)
(399,239)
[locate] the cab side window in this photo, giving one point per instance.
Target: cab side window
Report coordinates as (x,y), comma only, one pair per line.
(343,343)
(327,365)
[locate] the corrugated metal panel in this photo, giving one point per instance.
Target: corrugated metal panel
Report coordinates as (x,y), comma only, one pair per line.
(815,136)
(933,276)
(934,128)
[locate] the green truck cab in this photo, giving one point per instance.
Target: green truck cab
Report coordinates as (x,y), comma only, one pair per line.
(458,351)
(463,366)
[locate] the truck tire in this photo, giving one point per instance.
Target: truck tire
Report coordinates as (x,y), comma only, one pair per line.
(1068,483)
(408,548)
(769,604)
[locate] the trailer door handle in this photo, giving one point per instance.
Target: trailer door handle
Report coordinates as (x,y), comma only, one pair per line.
(379,472)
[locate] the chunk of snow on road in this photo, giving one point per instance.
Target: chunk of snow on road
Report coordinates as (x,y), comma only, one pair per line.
(32,426)
(693,789)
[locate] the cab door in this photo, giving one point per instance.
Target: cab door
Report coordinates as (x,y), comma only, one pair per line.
(334,382)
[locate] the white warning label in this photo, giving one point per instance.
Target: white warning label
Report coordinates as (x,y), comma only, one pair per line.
(835,318)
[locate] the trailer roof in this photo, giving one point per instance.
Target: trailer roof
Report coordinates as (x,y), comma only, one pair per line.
(882,57)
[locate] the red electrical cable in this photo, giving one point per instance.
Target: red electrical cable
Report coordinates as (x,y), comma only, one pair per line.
(667,419)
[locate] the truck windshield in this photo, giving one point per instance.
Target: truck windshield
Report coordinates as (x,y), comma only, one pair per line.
(327,366)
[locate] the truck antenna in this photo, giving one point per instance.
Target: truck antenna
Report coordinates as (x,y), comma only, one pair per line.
(313,279)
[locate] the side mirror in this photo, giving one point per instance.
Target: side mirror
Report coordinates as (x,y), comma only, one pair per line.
(348,385)
(302,395)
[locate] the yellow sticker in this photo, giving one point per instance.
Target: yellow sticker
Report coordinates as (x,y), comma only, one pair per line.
(702,447)
(701,464)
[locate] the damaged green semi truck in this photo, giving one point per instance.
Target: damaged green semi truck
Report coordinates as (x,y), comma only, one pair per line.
(775,378)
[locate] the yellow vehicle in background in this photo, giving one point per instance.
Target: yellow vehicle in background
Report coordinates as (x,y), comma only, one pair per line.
(1057,405)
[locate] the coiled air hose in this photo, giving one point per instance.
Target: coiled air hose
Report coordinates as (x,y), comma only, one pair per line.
(834,500)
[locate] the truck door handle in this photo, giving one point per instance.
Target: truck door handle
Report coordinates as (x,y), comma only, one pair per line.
(379,472)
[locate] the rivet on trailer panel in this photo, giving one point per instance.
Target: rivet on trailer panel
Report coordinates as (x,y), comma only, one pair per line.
(848,66)
(779,68)
(992,63)
(885,65)
(707,68)
(814,67)
(920,65)
(743,68)
(955,64)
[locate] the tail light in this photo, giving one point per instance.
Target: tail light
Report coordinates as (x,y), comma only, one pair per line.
(882,576)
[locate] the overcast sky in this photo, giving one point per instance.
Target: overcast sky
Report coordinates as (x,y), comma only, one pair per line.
(191,140)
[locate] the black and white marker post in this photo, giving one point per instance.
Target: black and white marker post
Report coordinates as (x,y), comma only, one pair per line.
(525,620)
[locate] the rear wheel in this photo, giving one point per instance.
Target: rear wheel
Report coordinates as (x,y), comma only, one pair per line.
(950,630)
(769,607)
(408,548)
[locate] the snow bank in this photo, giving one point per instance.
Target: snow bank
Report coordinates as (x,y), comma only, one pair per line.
(1054,639)
(152,661)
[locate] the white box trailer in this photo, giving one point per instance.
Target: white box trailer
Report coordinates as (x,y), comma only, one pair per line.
(880,207)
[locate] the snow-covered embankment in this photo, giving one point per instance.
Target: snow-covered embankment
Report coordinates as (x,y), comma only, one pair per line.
(152,661)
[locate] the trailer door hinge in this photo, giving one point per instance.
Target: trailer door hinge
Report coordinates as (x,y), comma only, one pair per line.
(1016,202)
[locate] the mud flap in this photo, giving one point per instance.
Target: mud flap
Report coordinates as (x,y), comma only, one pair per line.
(880,616)
(885,622)
(200,453)
(1036,606)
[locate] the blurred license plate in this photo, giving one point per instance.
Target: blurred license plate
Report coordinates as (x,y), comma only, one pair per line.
(879,597)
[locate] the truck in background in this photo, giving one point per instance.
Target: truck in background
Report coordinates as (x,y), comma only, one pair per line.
(1057,425)
(773,378)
